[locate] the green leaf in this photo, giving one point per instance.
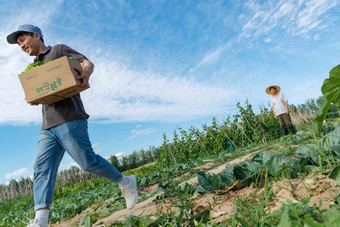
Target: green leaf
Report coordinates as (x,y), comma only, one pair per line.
(310,222)
(308,152)
(228,177)
(164,189)
(104,212)
(246,173)
(254,167)
(258,158)
(82,221)
(87,222)
(333,138)
(245,182)
(335,174)
(275,163)
(332,83)
(132,220)
(202,216)
(325,103)
(159,221)
(266,157)
(210,182)
(284,222)
(203,181)
(242,172)
(332,217)
(33,65)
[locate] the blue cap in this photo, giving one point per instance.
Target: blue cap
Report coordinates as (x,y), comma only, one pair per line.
(12,38)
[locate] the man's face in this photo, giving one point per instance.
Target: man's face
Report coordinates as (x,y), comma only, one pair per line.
(273,90)
(29,44)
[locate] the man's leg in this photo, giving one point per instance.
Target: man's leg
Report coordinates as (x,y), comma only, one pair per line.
(292,129)
(288,121)
(46,166)
(280,118)
(74,138)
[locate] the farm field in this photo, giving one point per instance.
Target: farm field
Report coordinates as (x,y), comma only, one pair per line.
(266,200)
(201,192)
(241,172)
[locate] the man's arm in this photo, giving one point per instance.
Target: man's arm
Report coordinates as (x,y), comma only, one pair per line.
(286,104)
(274,112)
(85,73)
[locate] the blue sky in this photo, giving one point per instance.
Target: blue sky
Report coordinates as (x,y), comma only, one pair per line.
(163,64)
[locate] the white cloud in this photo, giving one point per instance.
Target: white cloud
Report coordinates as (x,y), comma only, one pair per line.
(135,130)
(127,94)
(119,154)
(74,164)
(142,132)
(212,56)
(311,16)
(123,93)
(16,173)
(296,17)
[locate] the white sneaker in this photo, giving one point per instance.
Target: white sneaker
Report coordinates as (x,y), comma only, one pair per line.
(33,223)
(130,192)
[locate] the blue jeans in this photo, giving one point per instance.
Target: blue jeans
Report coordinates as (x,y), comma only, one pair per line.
(71,137)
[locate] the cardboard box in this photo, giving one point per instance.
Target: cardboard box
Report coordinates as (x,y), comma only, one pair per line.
(52,81)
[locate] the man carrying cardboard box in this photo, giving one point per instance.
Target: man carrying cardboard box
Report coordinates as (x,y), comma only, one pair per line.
(64,128)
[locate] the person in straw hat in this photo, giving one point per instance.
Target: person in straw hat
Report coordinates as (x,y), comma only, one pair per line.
(279,104)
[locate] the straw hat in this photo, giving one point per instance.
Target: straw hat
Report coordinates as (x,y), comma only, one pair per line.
(278,89)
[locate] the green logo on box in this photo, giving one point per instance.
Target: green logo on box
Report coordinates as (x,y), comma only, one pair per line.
(49,86)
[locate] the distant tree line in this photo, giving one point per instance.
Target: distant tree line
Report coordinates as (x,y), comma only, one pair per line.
(73,175)
(135,159)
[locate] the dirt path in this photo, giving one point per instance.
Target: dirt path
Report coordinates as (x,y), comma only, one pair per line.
(146,208)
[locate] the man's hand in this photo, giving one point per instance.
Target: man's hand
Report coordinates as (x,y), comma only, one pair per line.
(287,109)
(85,73)
(84,77)
(274,112)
